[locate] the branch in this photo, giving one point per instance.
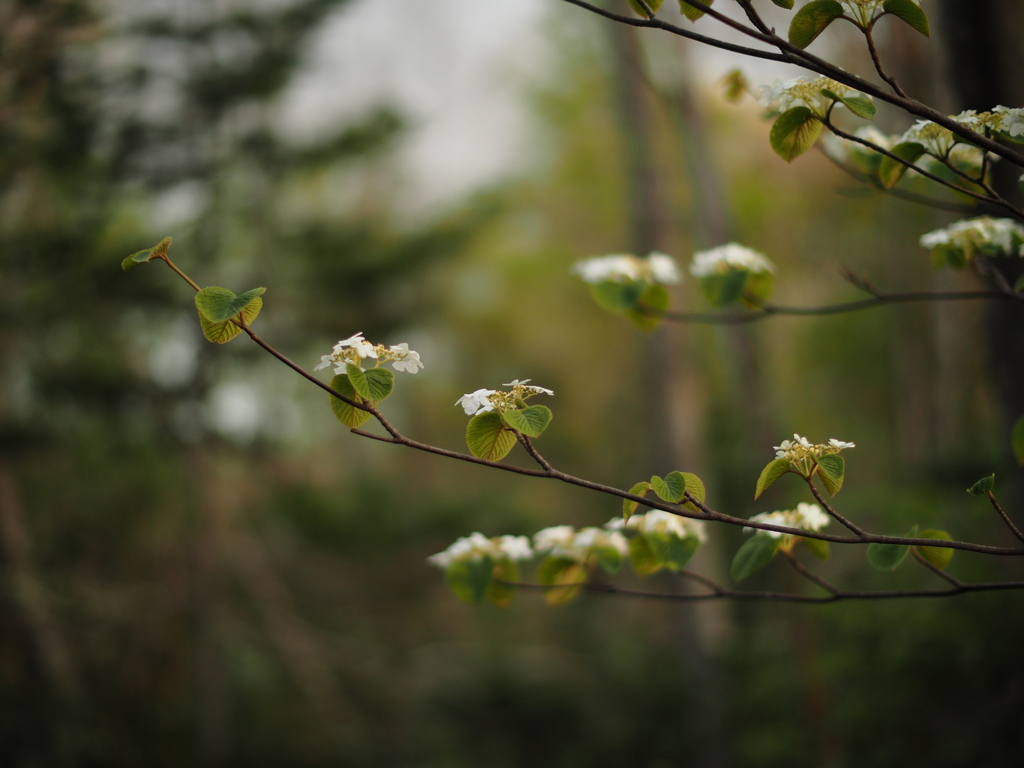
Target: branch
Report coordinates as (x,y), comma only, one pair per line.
(877,61)
(808,575)
(1006,517)
(935,569)
(791,54)
(724,593)
(706,513)
(828,508)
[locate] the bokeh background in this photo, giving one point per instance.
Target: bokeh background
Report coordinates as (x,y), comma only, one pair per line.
(200,566)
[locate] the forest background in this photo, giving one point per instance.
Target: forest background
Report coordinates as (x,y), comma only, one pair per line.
(201,567)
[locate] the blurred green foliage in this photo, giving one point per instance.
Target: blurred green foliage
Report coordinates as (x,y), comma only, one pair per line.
(181,588)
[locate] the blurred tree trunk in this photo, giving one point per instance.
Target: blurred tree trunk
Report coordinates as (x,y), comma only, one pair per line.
(984,67)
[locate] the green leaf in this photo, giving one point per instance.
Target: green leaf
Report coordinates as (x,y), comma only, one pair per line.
(351,417)
(500,594)
(887,557)
(794,132)
(695,487)
(690,12)
(831,469)
(608,558)
(358,378)
(381,382)
(757,289)
(670,550)
(654,5)
(816,547)
(146,254)
(617,297)
(754,555)
(223,332)
(642,557)
(723,289)
(488,438)
(530,421)
(628,505)
(220,304)
(859,106)
(910,12)
(671,488)
(787,4)
(772,472)
(650,307)
(555,572)
(983,486)
(811,20)
(469,579)
(891,171)
(1017,440)
(937,556)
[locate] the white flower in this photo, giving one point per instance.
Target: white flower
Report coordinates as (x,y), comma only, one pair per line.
(932,136)
(718,261)
(476,402)
(558,537)
(530,388)
(659,521)
(362,347)
(663,269)
(325,362)
(514,547)
(405,359)
(983,232)
(799,92)
(627,268)
(809,517)
(840,445)
(1010,120)
(476,547)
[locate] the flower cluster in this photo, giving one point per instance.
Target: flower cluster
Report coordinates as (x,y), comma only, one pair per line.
(982,234)
(1008,120)
(718,261)
(933,137)
(659,521)
(809,517)
(802,454)
(355,350)
(565,541)
(865,11)
(484,400)
(476,547)
(627,268)
(782,96)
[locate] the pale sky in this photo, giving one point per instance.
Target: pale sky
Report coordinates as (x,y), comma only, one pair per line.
(459,70)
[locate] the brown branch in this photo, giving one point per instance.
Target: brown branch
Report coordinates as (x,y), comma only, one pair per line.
(877,61)
(997,201)
(791,54)
(706,513)
(828,508)
(934,568)
(808,575)
(785,597)
(1006,518)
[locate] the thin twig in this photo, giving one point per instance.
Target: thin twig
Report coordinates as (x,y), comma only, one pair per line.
(525,441)
(934,568)
(830,510)
(877,60)
(808,575)
(995,201)
(705,513)
(791,54)
(765,311)
(1006,518)
(732,594)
